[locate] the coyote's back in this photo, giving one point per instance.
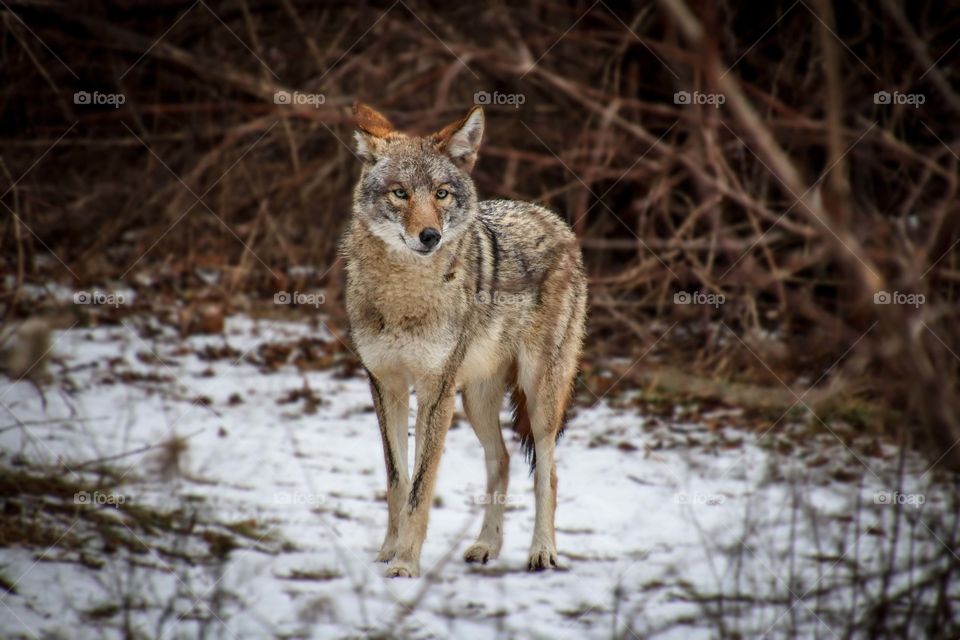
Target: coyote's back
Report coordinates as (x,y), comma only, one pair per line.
(443,292)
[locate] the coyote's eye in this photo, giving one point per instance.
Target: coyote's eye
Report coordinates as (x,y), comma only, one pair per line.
(400,193)
(441,194)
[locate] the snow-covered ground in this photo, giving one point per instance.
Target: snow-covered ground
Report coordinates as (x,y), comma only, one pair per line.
(657,518)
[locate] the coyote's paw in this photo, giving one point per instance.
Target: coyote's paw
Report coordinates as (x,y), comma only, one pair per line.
(481,552)
(542,557)
(400,569)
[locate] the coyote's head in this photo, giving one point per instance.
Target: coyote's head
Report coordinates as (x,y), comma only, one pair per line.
(415,193)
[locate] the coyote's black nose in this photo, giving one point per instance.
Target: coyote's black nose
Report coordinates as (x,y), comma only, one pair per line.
(430,237)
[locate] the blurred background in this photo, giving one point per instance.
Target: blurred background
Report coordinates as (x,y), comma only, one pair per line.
(794,159)
(765,193)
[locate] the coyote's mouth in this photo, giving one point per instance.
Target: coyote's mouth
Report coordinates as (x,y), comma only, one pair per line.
(422,252)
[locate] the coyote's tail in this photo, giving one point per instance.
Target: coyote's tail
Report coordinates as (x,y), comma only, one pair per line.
(521,425)
(521,421)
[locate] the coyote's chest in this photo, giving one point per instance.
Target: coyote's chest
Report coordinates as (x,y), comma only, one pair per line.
(434,351)
(407,328)
(426,338)
(417,318)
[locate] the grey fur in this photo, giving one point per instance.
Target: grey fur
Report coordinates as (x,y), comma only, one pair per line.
(499,303)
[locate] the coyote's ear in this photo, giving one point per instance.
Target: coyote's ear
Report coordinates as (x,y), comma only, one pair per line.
(373,128)
(460,140)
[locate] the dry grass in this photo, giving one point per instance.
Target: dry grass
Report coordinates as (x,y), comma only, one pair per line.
(797,199)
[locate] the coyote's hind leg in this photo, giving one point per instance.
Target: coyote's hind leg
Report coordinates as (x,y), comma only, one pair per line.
(481,401)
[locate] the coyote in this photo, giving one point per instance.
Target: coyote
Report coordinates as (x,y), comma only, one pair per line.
(445,291)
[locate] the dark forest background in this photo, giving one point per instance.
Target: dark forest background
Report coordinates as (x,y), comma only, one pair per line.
(811,173)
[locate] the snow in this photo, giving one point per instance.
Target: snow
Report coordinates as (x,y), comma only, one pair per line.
(652,512)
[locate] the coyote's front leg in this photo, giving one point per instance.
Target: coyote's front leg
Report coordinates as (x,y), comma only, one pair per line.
(391,400)
(434,411)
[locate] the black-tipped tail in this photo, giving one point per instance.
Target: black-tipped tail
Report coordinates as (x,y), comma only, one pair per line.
(521,425)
